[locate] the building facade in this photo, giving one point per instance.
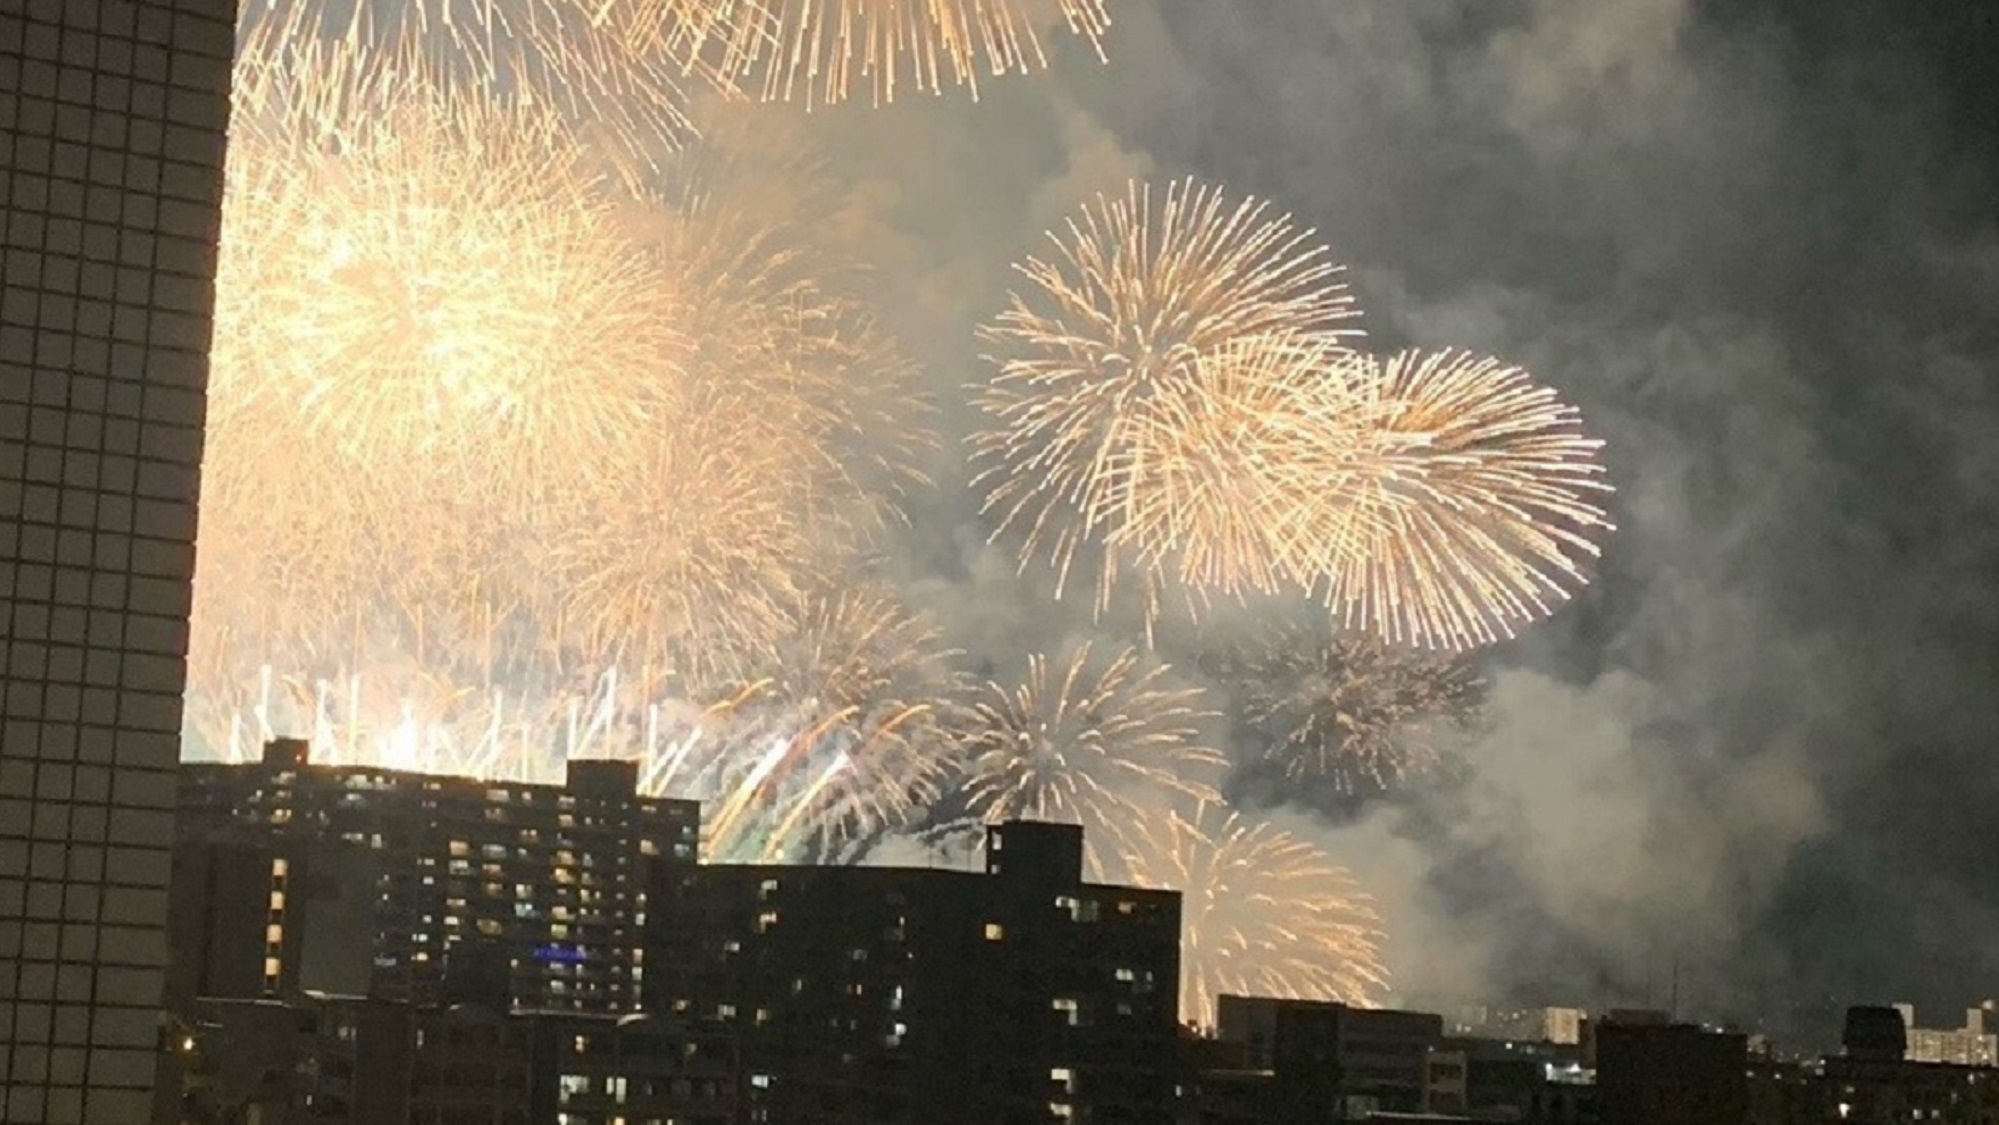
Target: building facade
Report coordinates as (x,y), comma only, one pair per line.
(319,1060)
(112,123)
(880,995)
(409,886)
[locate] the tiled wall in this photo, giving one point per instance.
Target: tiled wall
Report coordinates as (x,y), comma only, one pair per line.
(111,142)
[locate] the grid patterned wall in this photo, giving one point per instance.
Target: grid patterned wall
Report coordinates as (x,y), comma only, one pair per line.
(112,115)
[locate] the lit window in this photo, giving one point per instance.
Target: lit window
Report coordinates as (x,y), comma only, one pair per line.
(1068,1007)
(1063,1110)
(277,900)
(995,931)
(278,868)
(270,966)
(1126,975)
(766,920)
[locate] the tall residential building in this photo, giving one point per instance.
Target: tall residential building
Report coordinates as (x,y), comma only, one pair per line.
(292,876)
(878,996)
(112,121)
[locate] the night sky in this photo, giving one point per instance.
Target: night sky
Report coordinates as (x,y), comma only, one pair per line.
(1756,242)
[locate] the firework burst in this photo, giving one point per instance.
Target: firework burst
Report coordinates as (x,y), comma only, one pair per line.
(1227,481)
(601,66)
(1156,313)
(1262,913)
(820,51)
(1086,741)
(1352,710)
(1473,503)
(865,681)
(430,279)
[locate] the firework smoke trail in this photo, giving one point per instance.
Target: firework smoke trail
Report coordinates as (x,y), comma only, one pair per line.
(1352,710)
(819,51)
(1474,501)
(1263,913)
(1150,311)
(1087,741)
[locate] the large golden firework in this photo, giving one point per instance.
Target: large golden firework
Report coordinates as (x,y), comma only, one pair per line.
(603,66)
(1159,312)
(1473,503)
(477,407)
(436,281)
(1262,912)
(819,51)
(1087,741)
(1352,710)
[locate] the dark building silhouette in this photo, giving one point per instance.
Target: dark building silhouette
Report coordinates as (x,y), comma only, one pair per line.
(112,122)
(349,879)
(317,1060)
(1329,1061)
(1878,1033)
(1656,1073)
(1785,1093)
(1876,1091)
(880,995)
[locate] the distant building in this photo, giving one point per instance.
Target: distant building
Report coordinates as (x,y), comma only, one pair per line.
(348,879)
(881,995)
(1651,1072)
(1542,1025)
(1879,1034)
(1330,1058)
(1970,1045)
